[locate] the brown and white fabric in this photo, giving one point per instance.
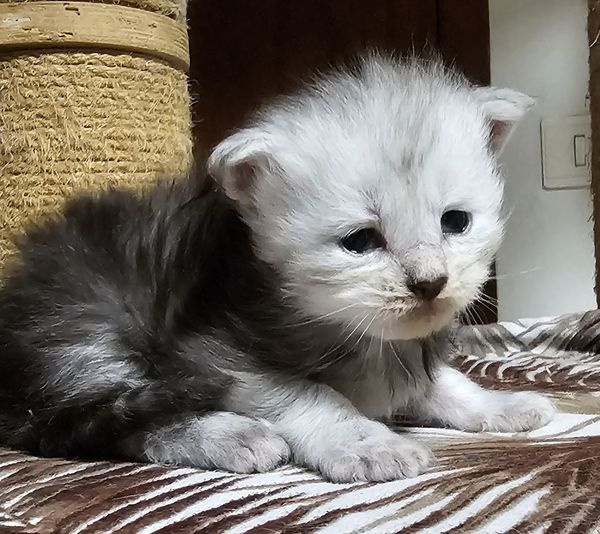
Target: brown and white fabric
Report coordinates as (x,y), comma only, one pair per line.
(542,481)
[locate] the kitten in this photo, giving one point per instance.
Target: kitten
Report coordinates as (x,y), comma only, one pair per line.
(281,311)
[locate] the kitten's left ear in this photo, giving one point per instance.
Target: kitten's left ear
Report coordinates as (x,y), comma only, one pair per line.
(504,108)
(238,162)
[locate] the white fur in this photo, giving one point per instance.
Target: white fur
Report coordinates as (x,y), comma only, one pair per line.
(326,432)
(392,147)
(457,402)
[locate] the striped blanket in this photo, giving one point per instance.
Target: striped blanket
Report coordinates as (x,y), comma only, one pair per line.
(544,481)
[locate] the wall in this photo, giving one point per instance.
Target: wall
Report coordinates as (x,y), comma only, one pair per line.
(546,265)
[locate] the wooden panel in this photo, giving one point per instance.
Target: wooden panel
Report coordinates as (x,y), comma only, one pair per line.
(594,91)
(463,36)
(341,29)
(245,51)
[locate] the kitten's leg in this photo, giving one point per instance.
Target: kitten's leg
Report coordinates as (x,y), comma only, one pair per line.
(457,402)
(218,440)
(326,432)
(176,422)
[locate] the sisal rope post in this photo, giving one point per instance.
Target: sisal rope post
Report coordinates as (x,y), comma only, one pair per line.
(92,95)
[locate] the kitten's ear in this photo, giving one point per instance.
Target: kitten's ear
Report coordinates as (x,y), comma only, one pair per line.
(238,162)
(504,108)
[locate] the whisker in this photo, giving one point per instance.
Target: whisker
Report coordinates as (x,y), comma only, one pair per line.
(519,273)
(469,315)
(365,331)
(408,373)
(340,345)
(478,316)
(349,350)
(372,337)
(487,298)
(487,306)
(321,317)
(336,345)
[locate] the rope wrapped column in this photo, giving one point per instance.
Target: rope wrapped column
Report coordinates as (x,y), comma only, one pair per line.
(92,95)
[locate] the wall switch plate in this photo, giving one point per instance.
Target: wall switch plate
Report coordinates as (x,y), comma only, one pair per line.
(566,146)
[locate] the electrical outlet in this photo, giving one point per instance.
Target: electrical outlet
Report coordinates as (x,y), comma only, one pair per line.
(566,146)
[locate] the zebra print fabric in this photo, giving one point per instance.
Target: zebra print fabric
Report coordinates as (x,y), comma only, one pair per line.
(543,481)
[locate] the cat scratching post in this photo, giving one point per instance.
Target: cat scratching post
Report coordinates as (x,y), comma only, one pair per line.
(91,95)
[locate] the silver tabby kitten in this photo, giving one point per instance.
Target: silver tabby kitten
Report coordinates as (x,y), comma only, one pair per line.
(284,309)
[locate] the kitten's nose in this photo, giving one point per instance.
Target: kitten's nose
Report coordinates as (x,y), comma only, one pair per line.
(428,289)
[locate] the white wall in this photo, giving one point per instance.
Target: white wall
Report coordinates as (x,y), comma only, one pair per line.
(546,265)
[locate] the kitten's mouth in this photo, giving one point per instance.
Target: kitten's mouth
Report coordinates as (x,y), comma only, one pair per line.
(428,309)
(422,320)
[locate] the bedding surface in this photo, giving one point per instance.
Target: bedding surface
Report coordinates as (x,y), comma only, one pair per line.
(542,481)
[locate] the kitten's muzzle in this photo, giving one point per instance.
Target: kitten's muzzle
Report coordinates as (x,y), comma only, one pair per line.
(428,289)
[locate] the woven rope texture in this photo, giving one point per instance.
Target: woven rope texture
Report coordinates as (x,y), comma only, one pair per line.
(74,121)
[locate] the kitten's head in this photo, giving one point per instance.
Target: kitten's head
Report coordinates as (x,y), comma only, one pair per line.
(375,193)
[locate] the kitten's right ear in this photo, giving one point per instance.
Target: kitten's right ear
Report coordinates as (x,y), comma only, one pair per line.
(237,163)
(504,108)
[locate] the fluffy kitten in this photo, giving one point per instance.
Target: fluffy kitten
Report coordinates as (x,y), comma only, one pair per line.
(278,312)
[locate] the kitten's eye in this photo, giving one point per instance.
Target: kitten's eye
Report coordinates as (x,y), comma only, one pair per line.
(364,240)
(455,221)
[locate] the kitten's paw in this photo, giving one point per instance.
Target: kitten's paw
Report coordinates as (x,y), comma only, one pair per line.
(520,412)
(508,412)
(374,456)
(246,445)
(221,440)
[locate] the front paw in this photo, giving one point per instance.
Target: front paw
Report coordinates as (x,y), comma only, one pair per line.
(371,452)
(516,412)
(245,445)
